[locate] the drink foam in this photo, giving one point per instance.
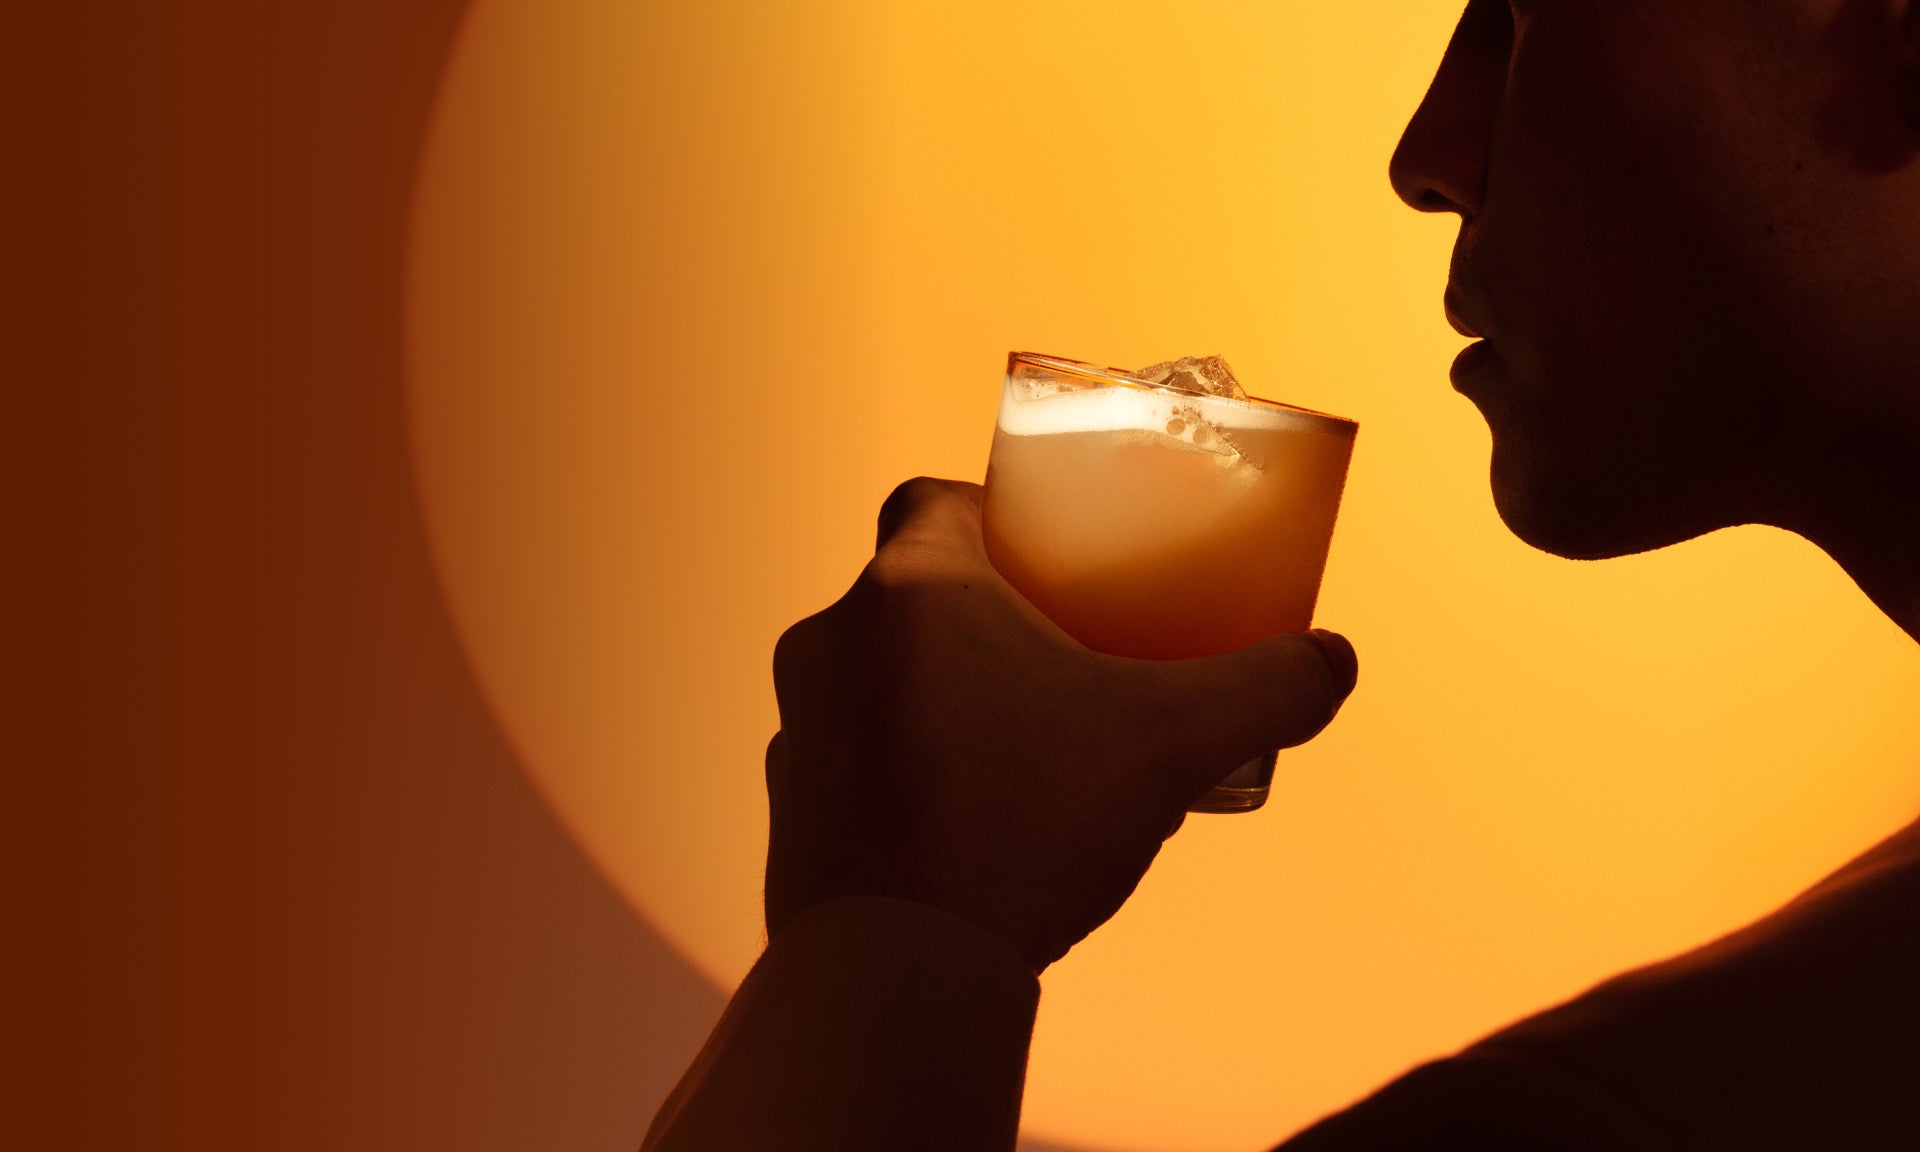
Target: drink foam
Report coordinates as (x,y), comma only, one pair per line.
(1193,399)
(1197,421)
(1030,410)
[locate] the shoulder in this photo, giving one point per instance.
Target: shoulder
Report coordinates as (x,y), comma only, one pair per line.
(1801,1030)
(1489,1099)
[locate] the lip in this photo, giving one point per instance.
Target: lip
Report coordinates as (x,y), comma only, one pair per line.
(1472,359)
(1451,303)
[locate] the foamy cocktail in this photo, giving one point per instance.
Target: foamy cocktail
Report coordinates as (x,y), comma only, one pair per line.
(1163,514)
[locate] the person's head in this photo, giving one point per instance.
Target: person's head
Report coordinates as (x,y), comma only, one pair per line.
(1691,238)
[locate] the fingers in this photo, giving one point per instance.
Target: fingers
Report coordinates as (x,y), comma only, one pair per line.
(1341,659)
(924,501)
(1218,712)
(776,766)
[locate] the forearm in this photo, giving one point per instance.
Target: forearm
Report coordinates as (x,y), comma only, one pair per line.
(868,1024)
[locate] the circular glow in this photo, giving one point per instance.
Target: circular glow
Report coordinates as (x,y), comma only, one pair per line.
(694,285)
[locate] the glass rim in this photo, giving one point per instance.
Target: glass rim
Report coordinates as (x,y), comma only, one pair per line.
(1114,376)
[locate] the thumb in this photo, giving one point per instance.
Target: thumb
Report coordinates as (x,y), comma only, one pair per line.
(1218,712)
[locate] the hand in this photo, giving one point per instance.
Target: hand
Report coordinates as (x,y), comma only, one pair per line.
(942,741)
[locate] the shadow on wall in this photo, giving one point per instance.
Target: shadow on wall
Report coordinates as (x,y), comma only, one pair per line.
(299,894)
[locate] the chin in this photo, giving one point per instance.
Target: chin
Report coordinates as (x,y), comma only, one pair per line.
(1588,514)
(1568,536)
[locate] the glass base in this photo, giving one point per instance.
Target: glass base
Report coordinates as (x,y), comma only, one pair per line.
(1244,789)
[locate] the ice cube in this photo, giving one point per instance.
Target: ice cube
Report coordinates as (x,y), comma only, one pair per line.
(1206,374)
(1186,423)
(1209,376)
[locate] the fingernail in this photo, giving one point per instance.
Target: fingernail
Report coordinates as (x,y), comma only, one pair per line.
(1340,658)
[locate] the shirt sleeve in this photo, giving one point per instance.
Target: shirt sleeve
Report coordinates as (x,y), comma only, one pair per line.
(1488,1100)
(869,1023)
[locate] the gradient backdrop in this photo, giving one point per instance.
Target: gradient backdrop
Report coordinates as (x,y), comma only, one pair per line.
(446,415)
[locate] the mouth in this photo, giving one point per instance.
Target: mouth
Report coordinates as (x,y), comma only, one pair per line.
(1476,357)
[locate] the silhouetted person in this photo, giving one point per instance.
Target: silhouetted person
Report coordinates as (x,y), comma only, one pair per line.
(1690,236)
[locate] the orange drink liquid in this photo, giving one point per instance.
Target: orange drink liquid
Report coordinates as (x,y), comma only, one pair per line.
(1153,522)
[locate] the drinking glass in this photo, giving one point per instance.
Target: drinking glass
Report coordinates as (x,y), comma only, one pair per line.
(1160,523)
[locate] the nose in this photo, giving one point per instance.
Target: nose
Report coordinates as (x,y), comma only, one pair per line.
(1440,164)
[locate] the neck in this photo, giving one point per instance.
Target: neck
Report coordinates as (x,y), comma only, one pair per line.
(1886,575)
(1859,501)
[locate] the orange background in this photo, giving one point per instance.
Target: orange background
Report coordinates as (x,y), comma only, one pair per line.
(299,891)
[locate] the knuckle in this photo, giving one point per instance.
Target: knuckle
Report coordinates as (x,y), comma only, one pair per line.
(900,505)
(797,648)
(916,490)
